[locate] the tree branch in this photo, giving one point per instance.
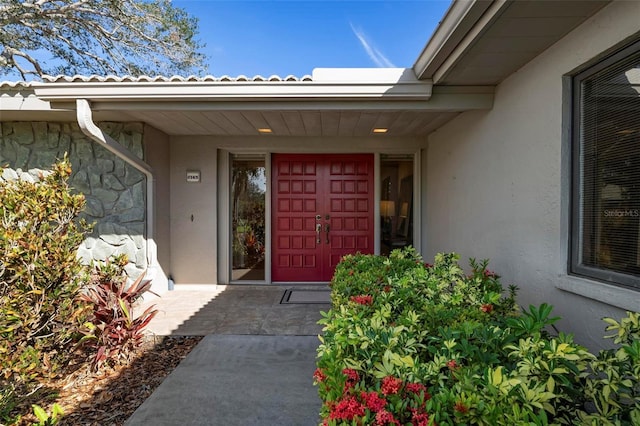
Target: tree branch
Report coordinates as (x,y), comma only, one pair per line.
(11,53)
(92,36)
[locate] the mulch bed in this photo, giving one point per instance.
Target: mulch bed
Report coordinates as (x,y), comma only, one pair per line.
(110,396)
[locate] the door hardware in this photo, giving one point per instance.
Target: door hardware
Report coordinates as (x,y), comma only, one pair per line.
(318,230)
(318,217)
(327,230)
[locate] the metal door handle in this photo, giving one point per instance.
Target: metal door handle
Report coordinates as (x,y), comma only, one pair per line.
(318,230)
(327,230)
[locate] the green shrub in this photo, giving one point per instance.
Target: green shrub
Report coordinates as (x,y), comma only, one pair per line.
(40,275)
(612,384)
(411,343)
(8,401)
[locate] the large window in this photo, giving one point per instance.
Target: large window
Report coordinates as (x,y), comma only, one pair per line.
(606,170)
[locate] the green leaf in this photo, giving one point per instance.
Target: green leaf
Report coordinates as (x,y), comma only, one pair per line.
(496,376)
(551,384)
(124,308)
(40,413)
(57,411)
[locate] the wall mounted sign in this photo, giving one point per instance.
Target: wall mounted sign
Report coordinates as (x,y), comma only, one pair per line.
(193,176)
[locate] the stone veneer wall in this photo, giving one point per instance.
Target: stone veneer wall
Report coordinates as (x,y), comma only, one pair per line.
(114,191)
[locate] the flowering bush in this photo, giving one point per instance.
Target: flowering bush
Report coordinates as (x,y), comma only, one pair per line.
(409,343)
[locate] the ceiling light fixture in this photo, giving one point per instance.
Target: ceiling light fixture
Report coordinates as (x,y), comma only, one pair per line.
(265,130)
(380,130)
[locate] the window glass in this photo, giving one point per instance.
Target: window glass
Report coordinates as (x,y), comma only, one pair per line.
(396,202)
(248,190)
(607,161)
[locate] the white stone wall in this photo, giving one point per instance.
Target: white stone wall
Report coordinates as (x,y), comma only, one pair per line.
(114,191)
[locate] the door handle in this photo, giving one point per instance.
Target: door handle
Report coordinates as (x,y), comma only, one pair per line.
(318,230)
(327,228)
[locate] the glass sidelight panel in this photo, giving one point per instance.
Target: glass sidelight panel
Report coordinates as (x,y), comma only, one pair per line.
(396,202)
(248,195)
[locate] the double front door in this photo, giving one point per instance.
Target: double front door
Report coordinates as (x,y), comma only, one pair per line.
(322,209)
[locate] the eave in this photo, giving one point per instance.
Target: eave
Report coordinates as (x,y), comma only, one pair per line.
(336,102)
(482,42)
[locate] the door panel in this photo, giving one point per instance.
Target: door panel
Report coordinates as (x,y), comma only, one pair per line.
(296,195)
(350,205)
(332,192)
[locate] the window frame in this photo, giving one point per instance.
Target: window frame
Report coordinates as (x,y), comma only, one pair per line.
(576,267)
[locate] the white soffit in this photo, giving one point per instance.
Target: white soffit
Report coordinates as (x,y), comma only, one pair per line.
(481,42)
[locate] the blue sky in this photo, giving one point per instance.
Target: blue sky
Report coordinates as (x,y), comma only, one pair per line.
(294,37)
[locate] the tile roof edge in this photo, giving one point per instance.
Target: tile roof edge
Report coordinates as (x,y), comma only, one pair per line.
(174,78)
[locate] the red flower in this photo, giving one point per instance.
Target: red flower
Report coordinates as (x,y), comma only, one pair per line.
(489,274)
(417,388)
(319,375)
(351,374)
(452,364)
(363,299)
(420,419)
(373,401)
(351,273)
(352,378)
(387,288)
(390,385)
(347,409)
(383,417)
(428,265)
(487,308)
(460,407)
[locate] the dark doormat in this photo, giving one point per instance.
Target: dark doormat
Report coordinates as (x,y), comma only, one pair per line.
(306,296)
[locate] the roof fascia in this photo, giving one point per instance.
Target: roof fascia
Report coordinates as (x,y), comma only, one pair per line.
(461,25)
(459,98)
(18,102)
(400,87)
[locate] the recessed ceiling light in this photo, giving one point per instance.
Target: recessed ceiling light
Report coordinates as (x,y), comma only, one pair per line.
(265,130)
(380,130)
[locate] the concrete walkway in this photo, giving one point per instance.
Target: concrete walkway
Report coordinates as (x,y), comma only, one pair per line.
(254,367)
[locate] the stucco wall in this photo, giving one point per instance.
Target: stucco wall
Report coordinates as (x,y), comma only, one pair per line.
(198,209)
(157,155)
(193,213)
(497,182)
(114,191)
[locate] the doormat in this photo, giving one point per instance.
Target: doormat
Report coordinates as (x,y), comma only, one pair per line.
(305,296)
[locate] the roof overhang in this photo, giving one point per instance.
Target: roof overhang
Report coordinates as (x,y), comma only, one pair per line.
(393,84)
(481,42)
(335,102)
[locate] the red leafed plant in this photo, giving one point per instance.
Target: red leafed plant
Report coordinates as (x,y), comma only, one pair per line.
(112,330)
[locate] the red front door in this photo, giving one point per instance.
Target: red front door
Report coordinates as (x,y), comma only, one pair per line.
(322,209)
